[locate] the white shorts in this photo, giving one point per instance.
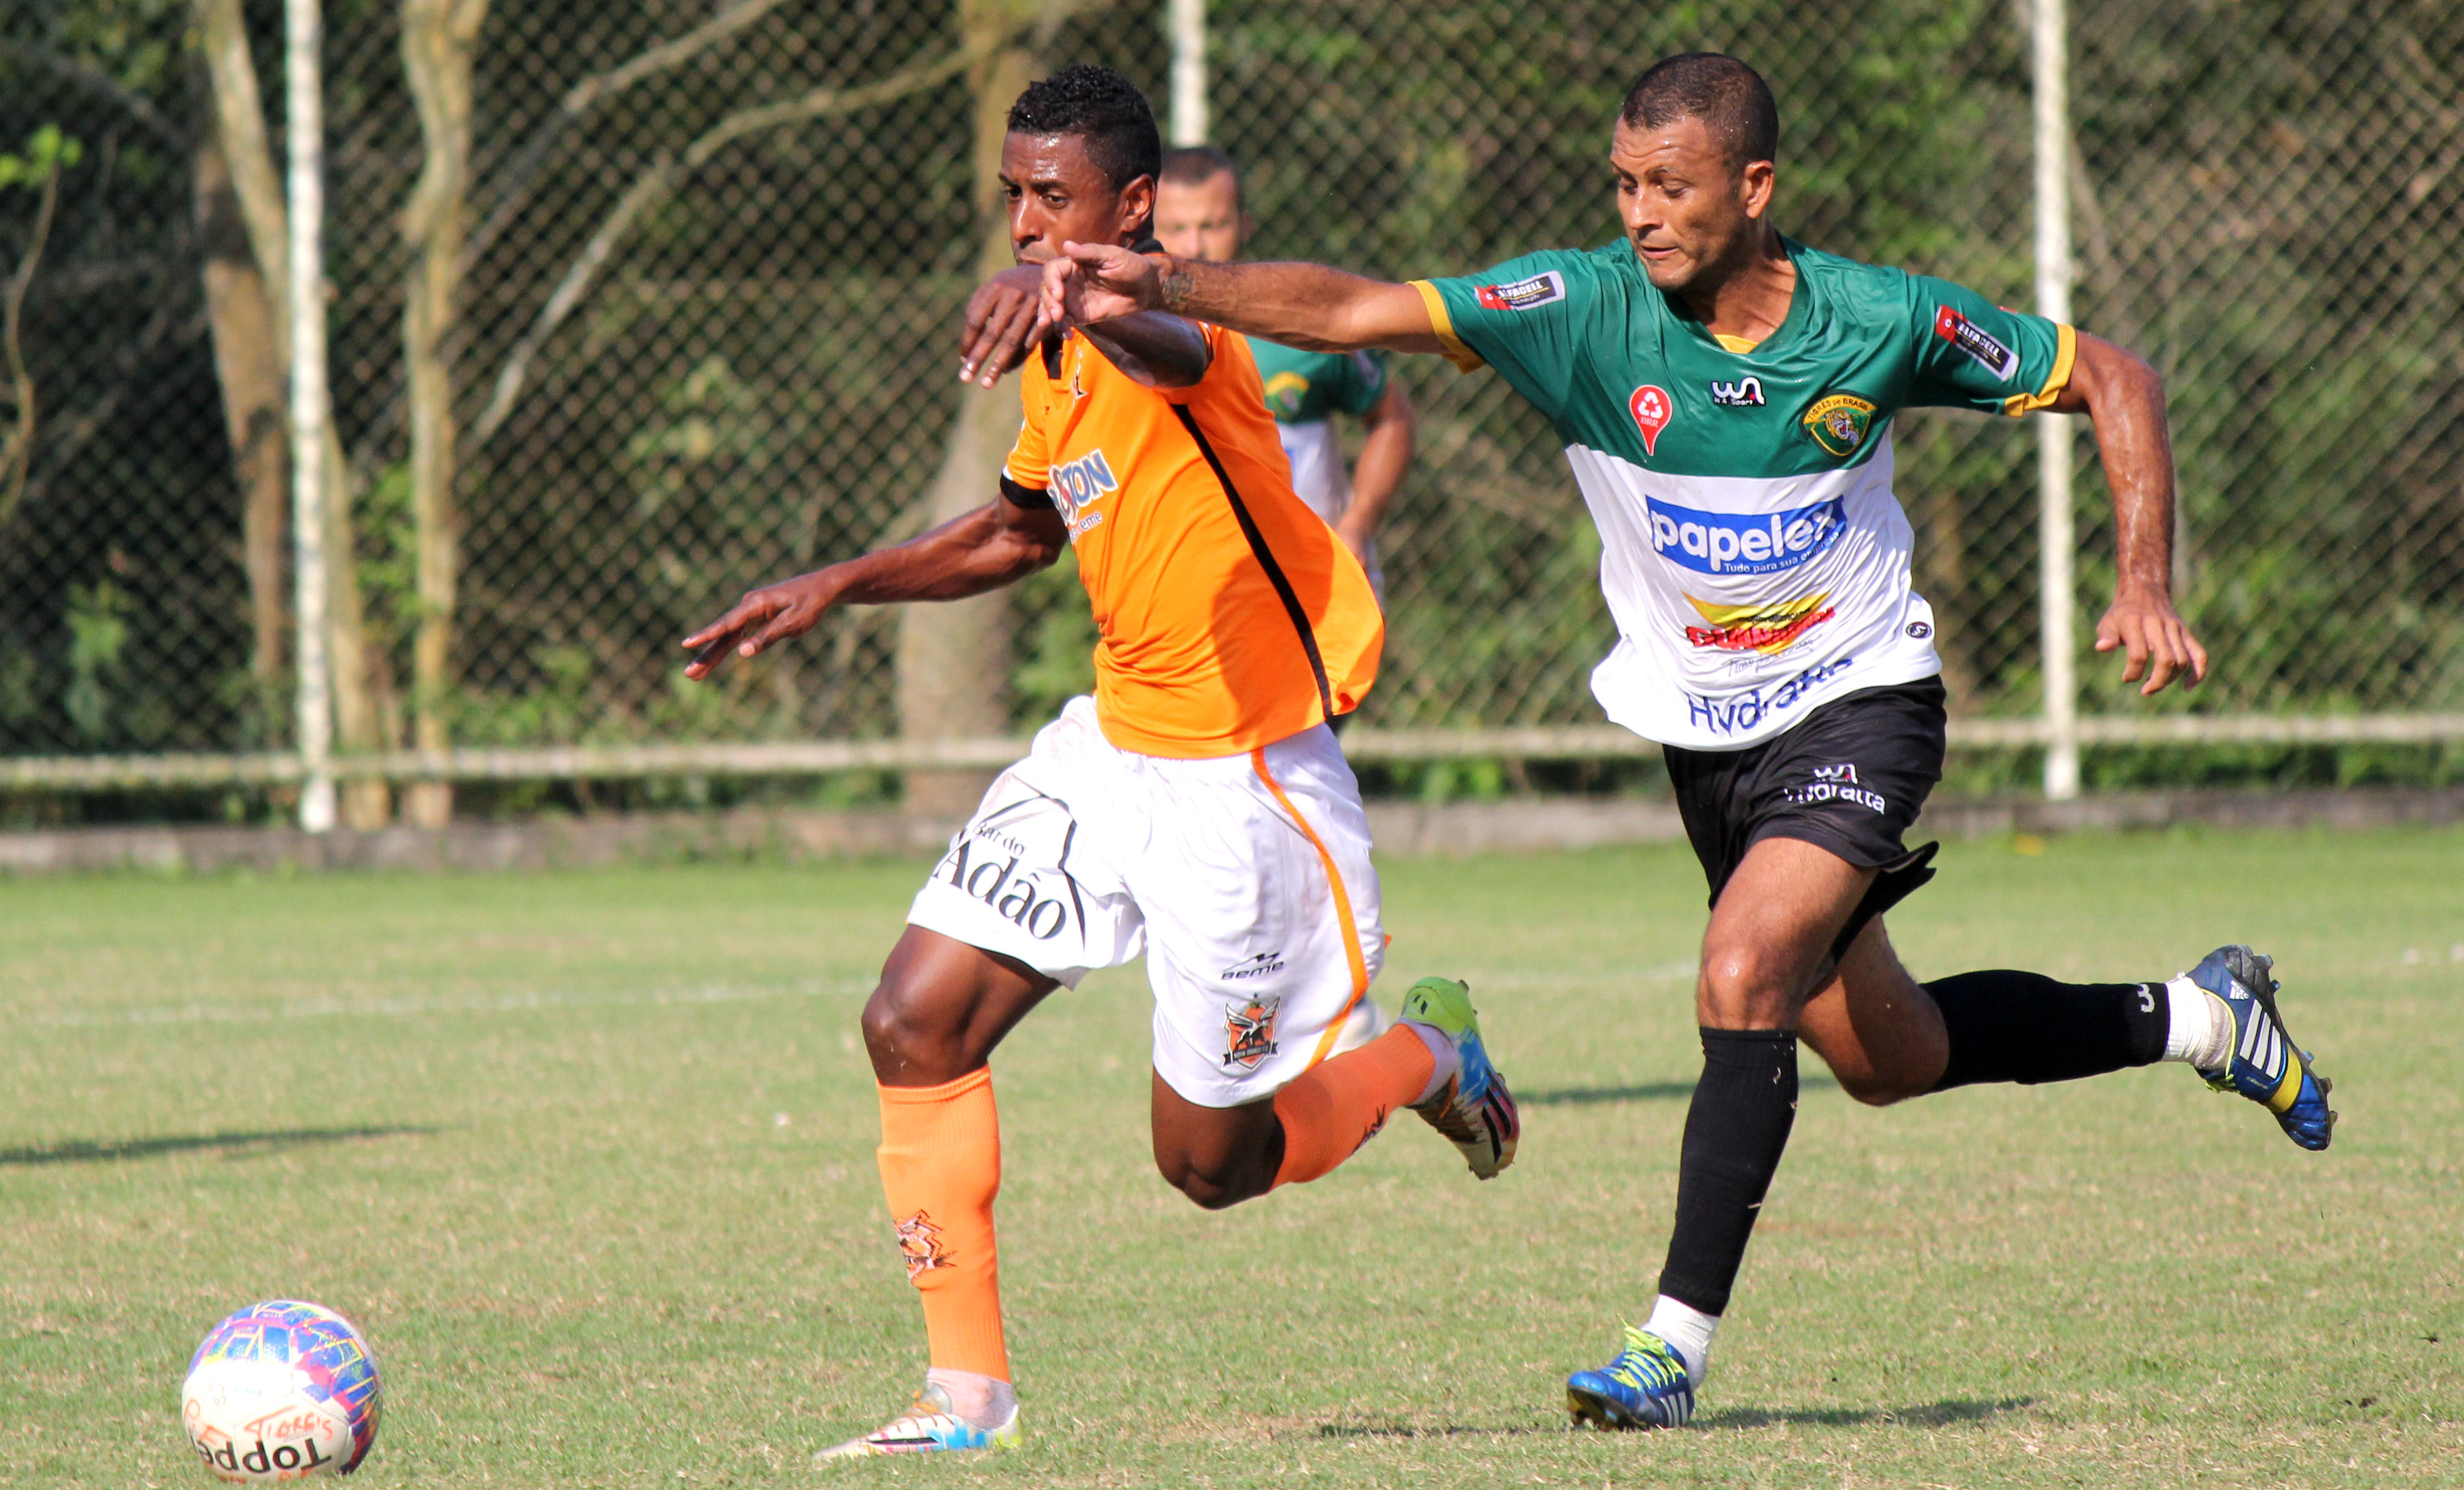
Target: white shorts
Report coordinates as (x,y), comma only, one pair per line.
(1245,880)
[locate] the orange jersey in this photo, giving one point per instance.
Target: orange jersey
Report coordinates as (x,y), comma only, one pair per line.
(1231,615)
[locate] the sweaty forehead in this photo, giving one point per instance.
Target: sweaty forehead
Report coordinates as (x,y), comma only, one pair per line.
(1055,158)
(1685,141)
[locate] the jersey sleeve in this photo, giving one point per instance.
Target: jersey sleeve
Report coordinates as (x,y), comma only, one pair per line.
(1524,317)
(1971,353)
(1362,384)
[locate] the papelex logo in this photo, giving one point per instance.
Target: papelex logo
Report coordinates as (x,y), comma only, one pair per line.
(1744,542)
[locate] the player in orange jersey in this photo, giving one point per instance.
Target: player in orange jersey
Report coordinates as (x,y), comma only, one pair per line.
(1194,809)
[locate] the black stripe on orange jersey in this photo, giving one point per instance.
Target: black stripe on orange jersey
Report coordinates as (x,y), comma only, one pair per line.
(1265,557)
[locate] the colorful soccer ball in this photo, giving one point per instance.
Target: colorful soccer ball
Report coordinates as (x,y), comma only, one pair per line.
(281,1391)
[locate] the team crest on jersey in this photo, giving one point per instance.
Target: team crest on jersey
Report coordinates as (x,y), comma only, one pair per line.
(1980,344)
(1747,392)
(1539,290)
(1839,423)
(1284,392)
(1652,410)
(919,1246)
(1249,1031)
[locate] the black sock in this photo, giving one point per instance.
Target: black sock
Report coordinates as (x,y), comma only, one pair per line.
(1736,1132)
(2025,1026)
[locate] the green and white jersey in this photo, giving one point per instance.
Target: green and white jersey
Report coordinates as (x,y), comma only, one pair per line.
(1304,391)
(1752,553)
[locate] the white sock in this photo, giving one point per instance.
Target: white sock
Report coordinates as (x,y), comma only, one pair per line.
(2198,1027)
(985,1401)
(1688,1329)
(1444,1061)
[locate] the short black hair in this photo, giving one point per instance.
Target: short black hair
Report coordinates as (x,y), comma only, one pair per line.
(1100,107)
(1729,97)
(1196,165)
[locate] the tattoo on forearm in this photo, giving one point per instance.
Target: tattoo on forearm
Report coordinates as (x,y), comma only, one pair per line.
(1176,283)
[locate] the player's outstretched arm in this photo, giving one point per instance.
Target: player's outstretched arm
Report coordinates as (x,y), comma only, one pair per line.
(2125,398)
(1005,319)
(985,549)
(1305,305)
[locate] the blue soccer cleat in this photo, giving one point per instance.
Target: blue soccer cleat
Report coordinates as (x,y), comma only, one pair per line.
(1646,1387)
(2265,1065)
(933,1426)
(1473,1110)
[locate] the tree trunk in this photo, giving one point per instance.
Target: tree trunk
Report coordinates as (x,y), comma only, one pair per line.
(437,41)
(954,656)
(239,115)
(247,363)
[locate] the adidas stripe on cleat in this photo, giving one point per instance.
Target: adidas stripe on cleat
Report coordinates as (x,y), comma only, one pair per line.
(1473,1110)
(1646,1387)
(2266,1066)
(931,1427)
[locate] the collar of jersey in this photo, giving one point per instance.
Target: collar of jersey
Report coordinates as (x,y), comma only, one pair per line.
(1789,325)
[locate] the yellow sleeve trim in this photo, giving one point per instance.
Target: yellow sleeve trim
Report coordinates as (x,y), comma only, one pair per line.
(2065,352)
(1735,343)
(1462,356)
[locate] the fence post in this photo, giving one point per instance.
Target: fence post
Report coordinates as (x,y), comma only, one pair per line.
(303,130)
(2049,46)
(1186,22)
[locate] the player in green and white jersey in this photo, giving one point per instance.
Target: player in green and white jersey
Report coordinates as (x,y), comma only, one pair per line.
(1725,395)
(1200,215)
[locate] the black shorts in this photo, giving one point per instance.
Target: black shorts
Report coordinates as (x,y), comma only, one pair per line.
(1850,778)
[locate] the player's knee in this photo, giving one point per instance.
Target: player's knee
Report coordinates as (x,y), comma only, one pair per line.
(901,1033)
(1210,1186)
(1739,982)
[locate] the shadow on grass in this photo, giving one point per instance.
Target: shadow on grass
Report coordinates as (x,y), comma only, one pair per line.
(1933,1414)
(1407,1431)
(1648,1092)
(232,1144)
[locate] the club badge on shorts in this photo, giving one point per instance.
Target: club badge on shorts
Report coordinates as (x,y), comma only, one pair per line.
(1249,1031)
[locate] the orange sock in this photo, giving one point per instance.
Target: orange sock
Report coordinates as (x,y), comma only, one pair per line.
(940,1166)
(1335,1106)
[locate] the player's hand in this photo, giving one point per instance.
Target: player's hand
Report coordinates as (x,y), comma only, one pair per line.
(1356,538)
(2154,640)
(1005,318)
(764,616)
(1100,281)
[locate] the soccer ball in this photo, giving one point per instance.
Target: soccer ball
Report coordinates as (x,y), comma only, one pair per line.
(281,1391)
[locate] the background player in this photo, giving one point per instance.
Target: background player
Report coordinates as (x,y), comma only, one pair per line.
(1196,809)
(1724,396)
(1201,213)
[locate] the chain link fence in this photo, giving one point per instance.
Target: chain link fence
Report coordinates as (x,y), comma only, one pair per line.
(701,265)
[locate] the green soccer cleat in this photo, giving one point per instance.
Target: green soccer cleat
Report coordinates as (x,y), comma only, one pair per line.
(1473,1110)
(2265,1065)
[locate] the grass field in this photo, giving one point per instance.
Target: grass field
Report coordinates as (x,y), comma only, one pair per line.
(590,1158)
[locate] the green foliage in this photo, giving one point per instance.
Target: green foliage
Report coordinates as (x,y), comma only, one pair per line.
(47,154)
(97,621)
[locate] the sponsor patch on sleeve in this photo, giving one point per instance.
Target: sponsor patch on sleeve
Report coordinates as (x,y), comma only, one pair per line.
(1539,290)
(1976,342)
